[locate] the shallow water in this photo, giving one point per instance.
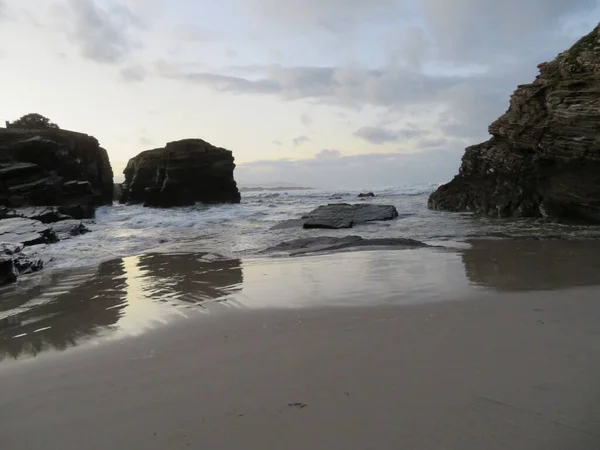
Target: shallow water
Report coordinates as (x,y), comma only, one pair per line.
(127,296)
(242,231)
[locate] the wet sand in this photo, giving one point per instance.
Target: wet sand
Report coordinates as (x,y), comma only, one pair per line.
(493,362)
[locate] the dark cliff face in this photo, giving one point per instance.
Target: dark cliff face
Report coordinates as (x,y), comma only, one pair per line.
(49,167)
(182,173)
(543,159)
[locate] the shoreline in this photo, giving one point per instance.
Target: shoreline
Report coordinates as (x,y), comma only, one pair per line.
(61,309)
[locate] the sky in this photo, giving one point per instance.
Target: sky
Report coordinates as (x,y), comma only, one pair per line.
(322,93)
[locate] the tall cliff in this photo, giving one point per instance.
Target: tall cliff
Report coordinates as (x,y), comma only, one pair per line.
(182,173)
(543,159)
(51,167)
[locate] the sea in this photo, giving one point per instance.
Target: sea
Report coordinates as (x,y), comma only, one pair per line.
(246,229)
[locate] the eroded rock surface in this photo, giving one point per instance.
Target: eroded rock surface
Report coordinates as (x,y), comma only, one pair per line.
(543,159)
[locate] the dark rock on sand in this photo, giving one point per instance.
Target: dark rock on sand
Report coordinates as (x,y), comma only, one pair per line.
(366,195)
(8,271)
(51,167)
(327,244)
(344,215)
(182,173)
(543,159)
(14,263)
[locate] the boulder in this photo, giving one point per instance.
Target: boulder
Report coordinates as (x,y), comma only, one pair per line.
(51,167)
(182,173)
(543,159)
(13,262)
(8,271)
(344,215)
(366,195)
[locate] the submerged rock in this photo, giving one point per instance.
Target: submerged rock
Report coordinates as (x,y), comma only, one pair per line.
(328,244)
(51,167)
(182,173)
(366,195)
(344,215)
(543,159)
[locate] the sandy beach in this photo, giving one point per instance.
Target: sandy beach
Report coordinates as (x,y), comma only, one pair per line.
(427,350)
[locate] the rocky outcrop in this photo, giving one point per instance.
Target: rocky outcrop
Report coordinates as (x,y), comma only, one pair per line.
(366,195)
(543,159)
(344,215)
(182,173)
(50,167)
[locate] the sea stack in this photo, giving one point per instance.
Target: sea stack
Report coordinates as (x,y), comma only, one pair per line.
(543,159)
(182,173)
(53,167)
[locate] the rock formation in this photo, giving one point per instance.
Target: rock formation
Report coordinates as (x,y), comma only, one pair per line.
(51,167)
(182,173)
(543,159)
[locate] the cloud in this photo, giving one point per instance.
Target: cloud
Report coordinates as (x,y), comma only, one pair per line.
(301,140)
(333,15)
(381,135)
(328,154)
(333,85)
(133,73)
(306,120)
(103,33)
(278,143)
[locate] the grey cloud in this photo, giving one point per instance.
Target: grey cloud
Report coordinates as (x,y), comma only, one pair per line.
(103,33)
(279,143)
(328,154)
(133,73)
(334,85)
(195,33)
(484,30)
(382,135)
(301,140)
(333,15)
(330,169)
(432,143)
(306,120)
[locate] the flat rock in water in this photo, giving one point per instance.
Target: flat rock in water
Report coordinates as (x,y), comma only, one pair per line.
(327,244)
(344,215)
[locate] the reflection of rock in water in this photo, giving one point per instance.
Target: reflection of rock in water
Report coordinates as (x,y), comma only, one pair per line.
(188,277)
(62,311)
(513,265)
(71,306)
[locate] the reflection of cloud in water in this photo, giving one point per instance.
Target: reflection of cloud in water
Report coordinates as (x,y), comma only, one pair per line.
(123,296)
(513,265)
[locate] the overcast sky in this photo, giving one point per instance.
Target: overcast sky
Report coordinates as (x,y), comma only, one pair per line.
(327,93)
